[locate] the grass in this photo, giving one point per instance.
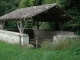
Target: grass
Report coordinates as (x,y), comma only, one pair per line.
(16,52)
(61,44)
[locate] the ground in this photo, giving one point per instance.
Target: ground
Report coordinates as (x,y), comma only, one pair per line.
(17,52)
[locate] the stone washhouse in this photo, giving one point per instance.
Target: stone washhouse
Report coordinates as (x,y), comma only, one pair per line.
(37,14)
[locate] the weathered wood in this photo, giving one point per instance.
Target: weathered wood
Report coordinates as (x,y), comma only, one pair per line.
(2,23)
(21,25)
(36,43)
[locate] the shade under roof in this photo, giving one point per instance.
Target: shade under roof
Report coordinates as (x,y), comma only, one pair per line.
(44,13)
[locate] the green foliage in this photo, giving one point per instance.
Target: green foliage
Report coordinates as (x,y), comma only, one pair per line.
(48,1)
(7,6)
(29,25)
(10,25)
(26,3)
(47,45)
(47,25)
(61,44)
(75,24)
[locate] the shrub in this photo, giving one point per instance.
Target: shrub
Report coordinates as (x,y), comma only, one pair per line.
(47,45)
(62,44)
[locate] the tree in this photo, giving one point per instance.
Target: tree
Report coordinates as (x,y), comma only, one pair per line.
(26,3)
(7,6)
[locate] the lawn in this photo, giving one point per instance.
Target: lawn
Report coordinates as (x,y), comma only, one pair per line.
(17,52)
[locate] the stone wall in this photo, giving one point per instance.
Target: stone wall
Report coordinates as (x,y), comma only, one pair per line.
(26,31)
(14,37)
(50,34)
(44,34)
(57,38)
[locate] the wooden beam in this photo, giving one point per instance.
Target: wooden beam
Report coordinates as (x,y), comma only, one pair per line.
(2,23)
(21,25)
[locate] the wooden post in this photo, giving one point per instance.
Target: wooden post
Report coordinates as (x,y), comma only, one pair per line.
(36,43)
(2,23)
(37,23)
(61,25)
(21,25)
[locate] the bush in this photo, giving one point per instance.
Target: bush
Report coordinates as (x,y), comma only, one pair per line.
(47,45)
(62,44)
